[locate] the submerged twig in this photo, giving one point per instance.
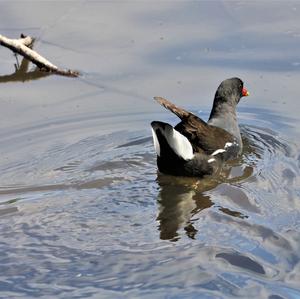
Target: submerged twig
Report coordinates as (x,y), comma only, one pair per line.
(23,46)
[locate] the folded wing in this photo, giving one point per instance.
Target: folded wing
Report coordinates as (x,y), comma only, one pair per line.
(203,137)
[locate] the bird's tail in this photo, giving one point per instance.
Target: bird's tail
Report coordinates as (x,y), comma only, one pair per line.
(168,142)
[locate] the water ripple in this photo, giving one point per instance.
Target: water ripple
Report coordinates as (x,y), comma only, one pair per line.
(93,216)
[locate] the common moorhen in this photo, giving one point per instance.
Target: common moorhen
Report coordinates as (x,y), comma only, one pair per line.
(194,147)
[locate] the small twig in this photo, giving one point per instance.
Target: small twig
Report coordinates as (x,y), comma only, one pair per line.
(17,64)
(22,47)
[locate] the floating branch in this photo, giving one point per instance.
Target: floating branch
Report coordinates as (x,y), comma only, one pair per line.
(23,46)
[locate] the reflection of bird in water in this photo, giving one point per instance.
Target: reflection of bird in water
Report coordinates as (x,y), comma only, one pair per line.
(177,204)
(181,198)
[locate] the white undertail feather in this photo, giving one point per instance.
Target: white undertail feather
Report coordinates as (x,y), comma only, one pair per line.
(179,143)
(156,143)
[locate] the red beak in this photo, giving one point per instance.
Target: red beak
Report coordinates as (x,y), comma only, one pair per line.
(245,92)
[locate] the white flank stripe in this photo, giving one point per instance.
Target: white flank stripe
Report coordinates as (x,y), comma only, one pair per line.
(211,160)
(228,144)
(218,151)
(156,143)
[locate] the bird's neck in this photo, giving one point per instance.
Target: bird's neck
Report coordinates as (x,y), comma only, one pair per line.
(223,115)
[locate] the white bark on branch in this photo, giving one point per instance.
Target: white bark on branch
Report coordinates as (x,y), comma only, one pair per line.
(22,47)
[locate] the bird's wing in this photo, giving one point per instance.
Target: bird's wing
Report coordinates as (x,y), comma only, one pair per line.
(204,139)
(181,113)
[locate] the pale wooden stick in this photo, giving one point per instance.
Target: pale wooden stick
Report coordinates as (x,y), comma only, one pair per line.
(22,47)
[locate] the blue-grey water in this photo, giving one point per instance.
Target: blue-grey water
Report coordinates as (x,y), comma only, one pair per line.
(83,212)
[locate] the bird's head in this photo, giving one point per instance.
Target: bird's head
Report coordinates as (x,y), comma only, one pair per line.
(231,91)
